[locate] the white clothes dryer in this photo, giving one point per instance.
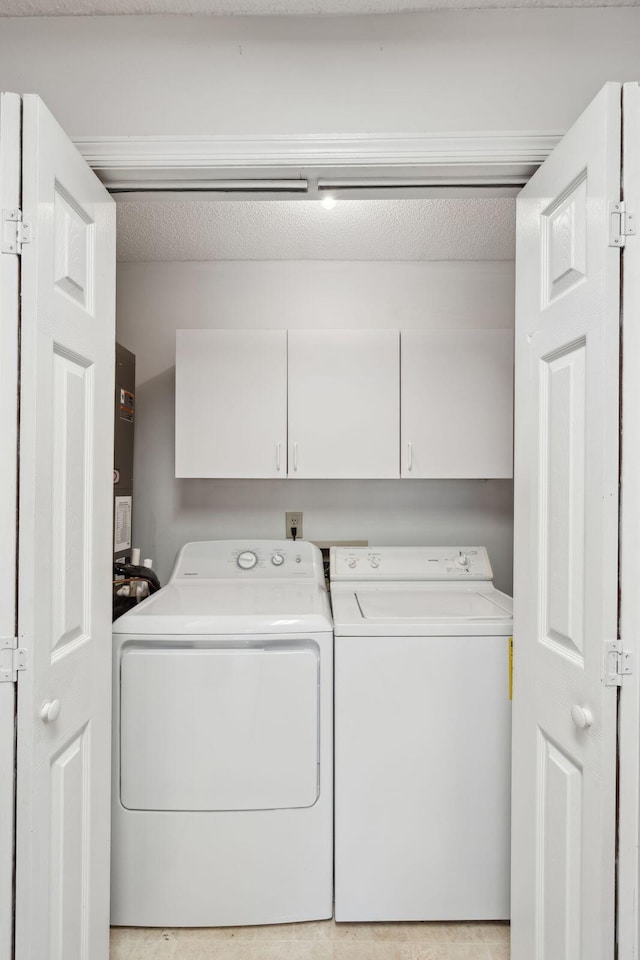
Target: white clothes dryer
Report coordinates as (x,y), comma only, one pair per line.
(222,747)
(422,735)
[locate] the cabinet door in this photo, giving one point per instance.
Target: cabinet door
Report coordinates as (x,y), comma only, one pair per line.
(457,403)
(344,398)
(231,403)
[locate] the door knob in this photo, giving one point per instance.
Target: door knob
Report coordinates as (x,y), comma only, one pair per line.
(581,716)
(50,711)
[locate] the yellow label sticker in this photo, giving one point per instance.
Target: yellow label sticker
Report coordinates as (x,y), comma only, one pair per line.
(510,668)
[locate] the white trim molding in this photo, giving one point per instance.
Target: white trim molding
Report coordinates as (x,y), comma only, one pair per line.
(629,625)
(200,163)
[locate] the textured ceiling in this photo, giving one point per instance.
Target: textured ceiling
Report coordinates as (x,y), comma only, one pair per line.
(42,8)
(470,229)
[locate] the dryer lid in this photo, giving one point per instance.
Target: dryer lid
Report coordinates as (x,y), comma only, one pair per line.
(230,607)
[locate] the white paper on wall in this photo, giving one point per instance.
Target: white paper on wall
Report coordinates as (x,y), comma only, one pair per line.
(122,524)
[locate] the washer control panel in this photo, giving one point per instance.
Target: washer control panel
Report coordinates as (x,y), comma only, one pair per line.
(410,563)
(259,559)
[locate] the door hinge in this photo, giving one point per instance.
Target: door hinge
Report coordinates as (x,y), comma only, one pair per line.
(617,664)
(15,232)
(622,224)
(12,659)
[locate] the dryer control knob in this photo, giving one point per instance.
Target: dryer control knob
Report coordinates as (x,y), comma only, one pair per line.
(277,559)
(462,560)
(352,562)
(247,560)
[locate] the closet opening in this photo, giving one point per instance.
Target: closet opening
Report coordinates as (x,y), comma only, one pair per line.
(345,360)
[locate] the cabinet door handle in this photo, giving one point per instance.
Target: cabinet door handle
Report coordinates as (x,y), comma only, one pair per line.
(277,456)
(295,456)
(409,456)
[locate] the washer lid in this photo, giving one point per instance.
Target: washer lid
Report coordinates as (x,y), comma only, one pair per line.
(428,605)
(230,607)
(420,609)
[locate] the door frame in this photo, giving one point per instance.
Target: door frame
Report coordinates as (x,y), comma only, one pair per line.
(308,165)
(10,179)
(628,926)
(312,164)
(467,161)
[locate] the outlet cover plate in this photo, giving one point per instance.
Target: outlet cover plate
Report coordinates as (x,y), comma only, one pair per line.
(293,518)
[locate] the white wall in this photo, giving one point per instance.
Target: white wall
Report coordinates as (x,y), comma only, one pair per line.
(155,299)
(490,70)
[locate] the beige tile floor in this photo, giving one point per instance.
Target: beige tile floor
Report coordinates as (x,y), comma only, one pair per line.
(322,940)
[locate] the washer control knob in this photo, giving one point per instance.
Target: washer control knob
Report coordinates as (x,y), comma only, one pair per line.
(352,563)
(462,560)
(277,559)
(247,560)
(375,563)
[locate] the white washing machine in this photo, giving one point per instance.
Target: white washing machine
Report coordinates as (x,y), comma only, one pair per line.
(422,735)
(222,747)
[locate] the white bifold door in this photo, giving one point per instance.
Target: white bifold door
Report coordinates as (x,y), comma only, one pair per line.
(67,335)
(566,545)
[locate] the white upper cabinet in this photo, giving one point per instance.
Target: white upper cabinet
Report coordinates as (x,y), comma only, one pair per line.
(457,403)
(344,403)
(231,403)
(361,403)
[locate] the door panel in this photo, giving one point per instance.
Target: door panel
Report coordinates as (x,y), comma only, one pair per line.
(344,403)
(560,784)
(72,443)
(66,447)
(566,542)
(68,861)
(562,521)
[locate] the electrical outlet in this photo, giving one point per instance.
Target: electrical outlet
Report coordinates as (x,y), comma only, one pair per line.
(293,518)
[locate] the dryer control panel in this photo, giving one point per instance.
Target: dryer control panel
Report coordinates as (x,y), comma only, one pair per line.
(410,563)
(248,559)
